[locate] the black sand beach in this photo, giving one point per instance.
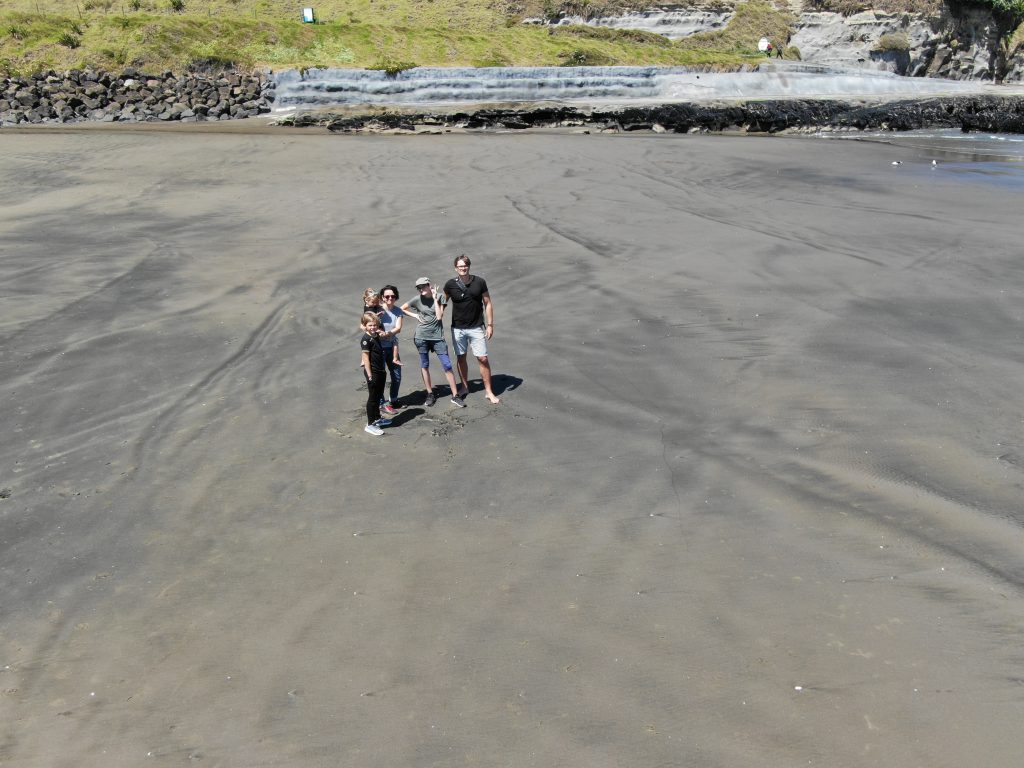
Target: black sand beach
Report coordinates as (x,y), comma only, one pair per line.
(752,496)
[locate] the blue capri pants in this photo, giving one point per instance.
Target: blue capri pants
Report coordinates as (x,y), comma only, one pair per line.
(438,347)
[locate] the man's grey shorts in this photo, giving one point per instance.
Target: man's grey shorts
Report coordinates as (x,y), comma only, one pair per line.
(470,338)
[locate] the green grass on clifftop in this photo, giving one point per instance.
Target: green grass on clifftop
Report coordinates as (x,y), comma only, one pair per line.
(36,35)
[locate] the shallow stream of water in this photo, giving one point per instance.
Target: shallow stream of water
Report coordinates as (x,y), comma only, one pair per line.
(989,158)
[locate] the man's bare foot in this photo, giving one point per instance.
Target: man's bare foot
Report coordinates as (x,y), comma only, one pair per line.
(491,397)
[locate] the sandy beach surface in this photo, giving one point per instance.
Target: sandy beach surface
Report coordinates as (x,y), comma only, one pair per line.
(752,496)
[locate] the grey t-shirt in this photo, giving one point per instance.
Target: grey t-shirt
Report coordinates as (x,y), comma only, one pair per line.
(432,329)
(389,320)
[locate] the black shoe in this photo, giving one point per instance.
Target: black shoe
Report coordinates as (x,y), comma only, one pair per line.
(431,399)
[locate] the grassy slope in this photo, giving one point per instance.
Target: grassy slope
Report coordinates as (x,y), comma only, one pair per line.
(110,34)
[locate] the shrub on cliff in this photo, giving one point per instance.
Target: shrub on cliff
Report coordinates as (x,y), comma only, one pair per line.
(587,9)
(850,7)
(753,20)
(893,41)
(583,58)
(604,33)
(393,68)
(1012,9)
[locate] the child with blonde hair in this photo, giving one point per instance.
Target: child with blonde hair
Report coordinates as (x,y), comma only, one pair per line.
(373,368)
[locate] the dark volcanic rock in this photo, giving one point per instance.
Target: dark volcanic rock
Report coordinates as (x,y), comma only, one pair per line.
(1004,114)
(90,95)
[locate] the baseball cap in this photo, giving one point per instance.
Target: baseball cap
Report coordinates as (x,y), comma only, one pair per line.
(422,281)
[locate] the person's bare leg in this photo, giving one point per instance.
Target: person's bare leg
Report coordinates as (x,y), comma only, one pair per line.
(451,381)
(463,367)
(485,374)
(427,383)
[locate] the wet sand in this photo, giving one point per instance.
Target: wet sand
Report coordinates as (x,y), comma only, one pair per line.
(752,496)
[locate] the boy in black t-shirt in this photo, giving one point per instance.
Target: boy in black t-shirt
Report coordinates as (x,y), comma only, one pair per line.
(373,367)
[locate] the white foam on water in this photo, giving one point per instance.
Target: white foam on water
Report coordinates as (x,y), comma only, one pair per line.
(797,84)
(318,88)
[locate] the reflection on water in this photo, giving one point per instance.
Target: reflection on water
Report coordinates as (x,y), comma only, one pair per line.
(995,158)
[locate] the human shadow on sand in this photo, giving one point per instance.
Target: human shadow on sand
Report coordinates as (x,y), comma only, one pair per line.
(405,415)
(500,383)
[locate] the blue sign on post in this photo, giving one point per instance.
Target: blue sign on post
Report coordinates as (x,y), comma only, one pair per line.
(308,17)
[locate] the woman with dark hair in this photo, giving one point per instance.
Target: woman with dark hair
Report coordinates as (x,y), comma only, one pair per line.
(391,316)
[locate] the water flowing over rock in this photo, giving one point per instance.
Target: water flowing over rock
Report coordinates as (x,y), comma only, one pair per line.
(432,85)
(438,85)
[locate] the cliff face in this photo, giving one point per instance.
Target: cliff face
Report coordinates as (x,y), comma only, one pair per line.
(959,43)
(969,48)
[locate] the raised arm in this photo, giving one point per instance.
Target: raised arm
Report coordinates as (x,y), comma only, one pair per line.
(438,302)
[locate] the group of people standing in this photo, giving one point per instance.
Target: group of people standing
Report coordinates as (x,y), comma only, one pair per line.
(472,326)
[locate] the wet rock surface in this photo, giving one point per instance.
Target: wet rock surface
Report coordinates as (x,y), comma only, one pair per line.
(1003,114)
(960,43)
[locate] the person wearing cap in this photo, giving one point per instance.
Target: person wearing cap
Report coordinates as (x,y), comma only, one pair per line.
(428,310)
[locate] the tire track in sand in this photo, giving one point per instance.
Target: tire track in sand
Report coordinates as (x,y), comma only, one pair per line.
(157,431)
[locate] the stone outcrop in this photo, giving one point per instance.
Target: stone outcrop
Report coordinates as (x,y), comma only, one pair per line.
(961,43)
(968,47)
(968,113)
(134,96)
(673,23)
(853,41)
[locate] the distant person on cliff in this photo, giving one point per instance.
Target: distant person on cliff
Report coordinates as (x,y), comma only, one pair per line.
(428,309)
(778,52)
(472,323)
(768,51)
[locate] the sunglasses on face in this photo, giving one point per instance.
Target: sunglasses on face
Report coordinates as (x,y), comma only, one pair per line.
(389,295)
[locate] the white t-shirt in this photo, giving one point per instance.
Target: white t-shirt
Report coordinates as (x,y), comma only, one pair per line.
(390,319)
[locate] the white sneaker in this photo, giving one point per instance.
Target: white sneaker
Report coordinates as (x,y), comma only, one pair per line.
(373,429)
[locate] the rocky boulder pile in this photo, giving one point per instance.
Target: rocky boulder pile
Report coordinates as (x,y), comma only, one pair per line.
(76,96)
